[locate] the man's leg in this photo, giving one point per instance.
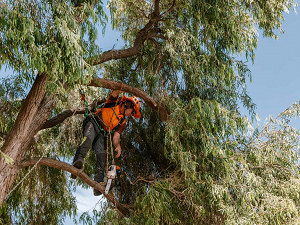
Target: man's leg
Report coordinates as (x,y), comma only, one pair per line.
(89,136)
(100,150)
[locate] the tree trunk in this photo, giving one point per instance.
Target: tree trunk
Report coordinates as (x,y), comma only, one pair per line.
(34,112)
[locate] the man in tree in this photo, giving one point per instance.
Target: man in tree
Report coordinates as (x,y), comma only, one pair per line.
(109,118)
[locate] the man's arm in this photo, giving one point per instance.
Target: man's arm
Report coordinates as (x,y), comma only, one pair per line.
(116,143)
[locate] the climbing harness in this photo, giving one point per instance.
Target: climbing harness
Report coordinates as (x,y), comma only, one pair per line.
(113,172)
(88,112)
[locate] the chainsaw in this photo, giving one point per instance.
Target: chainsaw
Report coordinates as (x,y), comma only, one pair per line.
(113,174)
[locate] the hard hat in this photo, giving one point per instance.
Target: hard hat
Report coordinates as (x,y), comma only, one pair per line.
(136,105)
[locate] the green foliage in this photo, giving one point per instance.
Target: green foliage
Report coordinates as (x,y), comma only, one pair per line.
(4,214)
(236,181)
(45,37)
(201,166)
(11,94)
(7,158)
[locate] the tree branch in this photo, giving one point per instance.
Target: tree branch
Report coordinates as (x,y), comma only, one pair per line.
(70,112)
(171,8)
(156,8)
(114,85)
(122,208)
(2,135)
(141,36)
(161,107)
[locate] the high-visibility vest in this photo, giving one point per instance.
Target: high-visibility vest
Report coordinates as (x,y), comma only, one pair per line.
(110,117)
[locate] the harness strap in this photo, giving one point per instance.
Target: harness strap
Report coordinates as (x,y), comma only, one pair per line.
(109,105)
(93,120)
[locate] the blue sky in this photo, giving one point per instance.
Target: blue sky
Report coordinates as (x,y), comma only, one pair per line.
(276,71)
(275,75)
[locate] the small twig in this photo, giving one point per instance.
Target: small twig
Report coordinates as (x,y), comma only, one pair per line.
(142,11)
(275,166)
(170,9)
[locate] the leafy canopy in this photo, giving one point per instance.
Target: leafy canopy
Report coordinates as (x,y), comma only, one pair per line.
(199,167)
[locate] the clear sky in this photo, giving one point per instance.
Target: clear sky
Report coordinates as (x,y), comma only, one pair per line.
(276,71)
(275,75)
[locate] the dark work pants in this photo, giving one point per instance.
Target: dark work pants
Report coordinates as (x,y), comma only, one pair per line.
(96,140)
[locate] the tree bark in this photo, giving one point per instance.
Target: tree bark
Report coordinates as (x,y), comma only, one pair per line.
(70,112)
(123,209)
(35,110)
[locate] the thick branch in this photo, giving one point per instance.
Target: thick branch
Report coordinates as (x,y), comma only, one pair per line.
(123,209)
(156,8)
(116,85)
(141,36)
(70,112)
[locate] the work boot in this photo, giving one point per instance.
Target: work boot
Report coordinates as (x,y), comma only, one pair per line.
(78,161)
(99,170)
(97,192)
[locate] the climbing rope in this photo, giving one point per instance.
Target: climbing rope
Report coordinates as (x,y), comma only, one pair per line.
(115,201)
(109,139)
(82,96)
(112,155)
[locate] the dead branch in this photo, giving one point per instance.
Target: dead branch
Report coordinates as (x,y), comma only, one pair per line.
(122,208)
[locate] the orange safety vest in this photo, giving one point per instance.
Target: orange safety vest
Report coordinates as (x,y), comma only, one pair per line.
(111,117)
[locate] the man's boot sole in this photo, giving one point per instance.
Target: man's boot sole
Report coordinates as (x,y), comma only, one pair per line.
(77,164)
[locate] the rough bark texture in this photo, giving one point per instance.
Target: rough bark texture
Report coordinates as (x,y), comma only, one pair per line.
(161,107)
(123,209)
(36,109)
(33,114)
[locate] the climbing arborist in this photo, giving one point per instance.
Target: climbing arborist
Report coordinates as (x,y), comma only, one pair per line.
(110,118)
